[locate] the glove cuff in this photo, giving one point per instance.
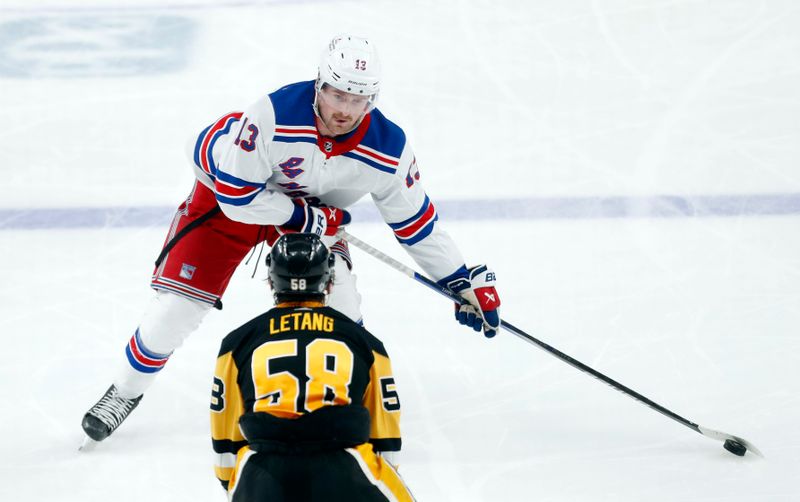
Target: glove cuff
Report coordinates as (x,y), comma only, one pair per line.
(457,281)
(300,215)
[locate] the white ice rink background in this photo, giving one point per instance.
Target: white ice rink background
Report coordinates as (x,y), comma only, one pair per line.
(630,169)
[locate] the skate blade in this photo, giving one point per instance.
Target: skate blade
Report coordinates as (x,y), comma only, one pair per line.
(88,444)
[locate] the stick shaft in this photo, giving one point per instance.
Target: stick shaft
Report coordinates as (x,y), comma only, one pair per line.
(518,332)
(718,435)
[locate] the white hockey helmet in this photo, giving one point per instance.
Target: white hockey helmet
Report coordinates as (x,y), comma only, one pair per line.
(351,64)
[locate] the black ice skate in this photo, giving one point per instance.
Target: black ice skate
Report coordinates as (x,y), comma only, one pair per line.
(109,412)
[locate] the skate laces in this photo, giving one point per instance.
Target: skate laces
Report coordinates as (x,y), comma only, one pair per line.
(113,409)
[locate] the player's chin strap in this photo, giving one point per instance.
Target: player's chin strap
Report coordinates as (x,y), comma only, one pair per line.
(721,436)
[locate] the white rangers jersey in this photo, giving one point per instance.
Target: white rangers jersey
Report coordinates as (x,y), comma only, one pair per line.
(258,161)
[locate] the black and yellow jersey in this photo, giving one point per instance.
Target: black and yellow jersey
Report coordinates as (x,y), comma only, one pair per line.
(292,361)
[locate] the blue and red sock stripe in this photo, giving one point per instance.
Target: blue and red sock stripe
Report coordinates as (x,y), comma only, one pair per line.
(340,248)
(419,226)
(142,359)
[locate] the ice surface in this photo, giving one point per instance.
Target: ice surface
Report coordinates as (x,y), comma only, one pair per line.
(630,170)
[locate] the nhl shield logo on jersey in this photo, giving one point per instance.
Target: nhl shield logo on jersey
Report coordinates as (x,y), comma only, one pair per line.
(187,271)
(328,146)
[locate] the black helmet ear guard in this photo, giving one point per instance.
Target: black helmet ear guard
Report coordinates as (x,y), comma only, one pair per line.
(299,265)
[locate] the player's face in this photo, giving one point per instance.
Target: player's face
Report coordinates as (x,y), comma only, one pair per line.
(340,111)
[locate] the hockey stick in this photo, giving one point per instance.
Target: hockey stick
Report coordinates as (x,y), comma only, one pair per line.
(734,444)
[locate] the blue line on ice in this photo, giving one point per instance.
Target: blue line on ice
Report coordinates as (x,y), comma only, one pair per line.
(664,206)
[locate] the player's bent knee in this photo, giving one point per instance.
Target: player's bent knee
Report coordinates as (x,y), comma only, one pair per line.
(344,296)
(168,320)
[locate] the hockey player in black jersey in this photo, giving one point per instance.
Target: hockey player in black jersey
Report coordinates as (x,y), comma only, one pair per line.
(304,405)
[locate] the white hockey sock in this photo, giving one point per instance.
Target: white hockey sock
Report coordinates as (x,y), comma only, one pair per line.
(167,322)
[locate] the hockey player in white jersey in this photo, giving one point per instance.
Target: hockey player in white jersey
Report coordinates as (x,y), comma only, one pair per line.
(292,161)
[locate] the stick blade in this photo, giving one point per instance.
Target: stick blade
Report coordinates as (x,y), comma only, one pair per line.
(88,444)
(724,436)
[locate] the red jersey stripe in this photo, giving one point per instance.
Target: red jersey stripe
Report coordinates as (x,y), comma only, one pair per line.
(376,156)
(416,226)
(218,125)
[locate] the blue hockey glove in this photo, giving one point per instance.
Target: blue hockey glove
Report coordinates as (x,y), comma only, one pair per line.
(481,309)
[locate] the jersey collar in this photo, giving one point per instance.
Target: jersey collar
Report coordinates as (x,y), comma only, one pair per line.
(344,143)
(310,304)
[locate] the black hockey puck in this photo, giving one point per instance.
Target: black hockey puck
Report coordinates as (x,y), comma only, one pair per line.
(735,447)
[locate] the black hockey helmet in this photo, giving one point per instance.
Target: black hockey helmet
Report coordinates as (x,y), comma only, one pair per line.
(299,265)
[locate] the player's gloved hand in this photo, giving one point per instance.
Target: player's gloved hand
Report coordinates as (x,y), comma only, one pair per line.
(315,220)
(482,307)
